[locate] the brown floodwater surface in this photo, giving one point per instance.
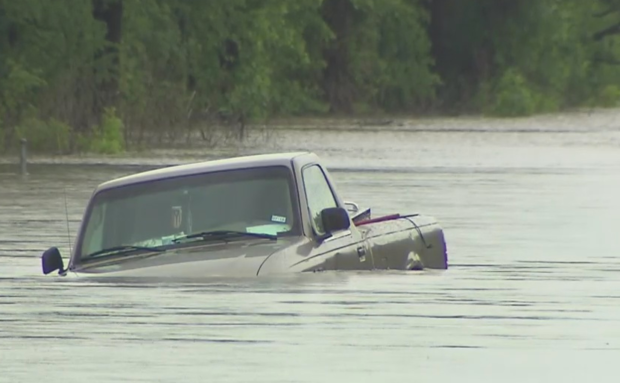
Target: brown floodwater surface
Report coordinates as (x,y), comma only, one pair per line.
(531,215)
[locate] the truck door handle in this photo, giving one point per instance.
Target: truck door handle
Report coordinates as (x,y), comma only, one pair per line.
(361,251)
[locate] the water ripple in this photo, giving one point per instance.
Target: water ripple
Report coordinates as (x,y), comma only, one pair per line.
(530,215)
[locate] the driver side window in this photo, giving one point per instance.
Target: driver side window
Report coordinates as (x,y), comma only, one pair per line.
(318,194)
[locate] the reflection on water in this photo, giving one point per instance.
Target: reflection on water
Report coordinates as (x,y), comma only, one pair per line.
(532,293)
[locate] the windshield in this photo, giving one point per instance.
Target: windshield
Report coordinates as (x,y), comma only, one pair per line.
(255,200)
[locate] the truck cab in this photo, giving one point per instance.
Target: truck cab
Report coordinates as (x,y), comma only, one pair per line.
(251,215)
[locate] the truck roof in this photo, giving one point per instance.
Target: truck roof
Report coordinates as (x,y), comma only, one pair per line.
(243,162)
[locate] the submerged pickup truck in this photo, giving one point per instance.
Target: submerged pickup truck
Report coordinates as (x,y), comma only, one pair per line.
(244,216)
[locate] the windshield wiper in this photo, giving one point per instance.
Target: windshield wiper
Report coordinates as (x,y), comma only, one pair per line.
(224,234)
(123,249)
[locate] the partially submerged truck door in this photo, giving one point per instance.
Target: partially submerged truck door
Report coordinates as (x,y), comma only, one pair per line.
(343,250)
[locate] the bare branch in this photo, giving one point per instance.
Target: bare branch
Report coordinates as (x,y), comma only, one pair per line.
(606,60)
(605,13)
(612,30)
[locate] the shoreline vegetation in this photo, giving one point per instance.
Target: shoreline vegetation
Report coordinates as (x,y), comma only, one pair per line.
(108,77)
(221,143)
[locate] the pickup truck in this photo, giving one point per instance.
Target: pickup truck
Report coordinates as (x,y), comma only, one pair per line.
(245,216)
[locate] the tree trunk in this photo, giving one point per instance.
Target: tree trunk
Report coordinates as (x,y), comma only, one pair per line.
(107,59)
(437,12)
(182,20)
(337,83)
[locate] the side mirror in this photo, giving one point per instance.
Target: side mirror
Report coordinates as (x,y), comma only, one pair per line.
(334,219)
(51,260)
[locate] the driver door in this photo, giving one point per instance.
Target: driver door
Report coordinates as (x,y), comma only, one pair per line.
(345,249)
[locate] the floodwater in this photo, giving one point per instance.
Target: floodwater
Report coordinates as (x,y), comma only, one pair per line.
(531,215)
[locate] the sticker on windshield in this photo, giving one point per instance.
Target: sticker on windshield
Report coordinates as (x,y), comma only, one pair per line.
(177,216)
(278,218)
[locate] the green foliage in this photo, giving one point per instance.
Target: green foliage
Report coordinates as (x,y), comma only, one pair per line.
(513,96)
(608,97)
(550,55)
(108,137)
(17,90)
(391,61)
(44,136)
(187,64)
(543,49)
(2,134)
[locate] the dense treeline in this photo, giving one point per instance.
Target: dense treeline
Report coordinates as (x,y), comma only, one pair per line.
(94,74)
